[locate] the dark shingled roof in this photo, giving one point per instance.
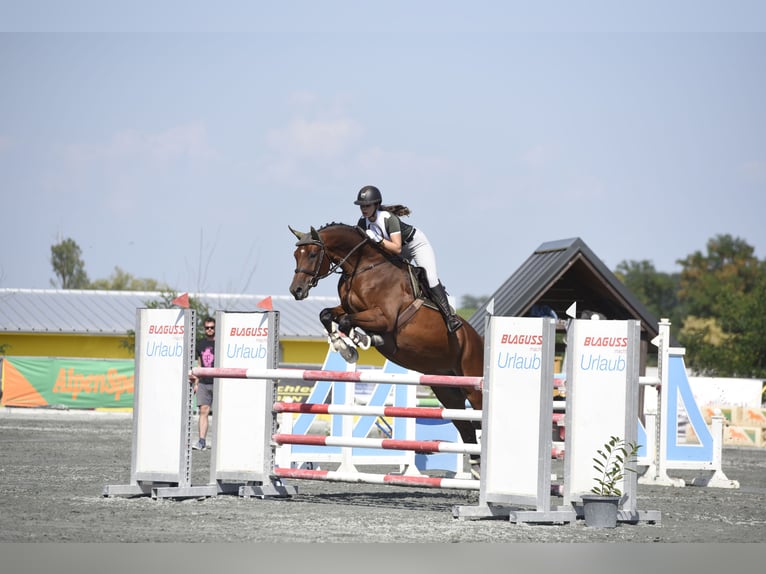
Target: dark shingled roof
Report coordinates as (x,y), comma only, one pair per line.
(558,274)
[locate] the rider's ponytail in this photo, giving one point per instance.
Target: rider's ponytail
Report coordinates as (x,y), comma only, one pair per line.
(398,210)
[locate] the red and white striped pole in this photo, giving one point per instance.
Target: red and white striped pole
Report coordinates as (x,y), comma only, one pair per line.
(391,479)
(368,376)
(380,411)
(425,446)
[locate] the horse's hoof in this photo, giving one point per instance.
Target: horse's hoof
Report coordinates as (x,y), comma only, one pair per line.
(335,342)
(360,338)
(350,354)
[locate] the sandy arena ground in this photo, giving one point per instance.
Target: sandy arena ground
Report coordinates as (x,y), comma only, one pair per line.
(55,465)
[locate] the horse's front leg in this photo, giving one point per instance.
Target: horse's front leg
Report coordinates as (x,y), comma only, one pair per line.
(350,330)
(366,327)
(329,316)
(342,343)
(370,320)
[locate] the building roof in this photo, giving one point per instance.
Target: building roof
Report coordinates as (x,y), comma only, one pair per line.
(559,273)
(78,312)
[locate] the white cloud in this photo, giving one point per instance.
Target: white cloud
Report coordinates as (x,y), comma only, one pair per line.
(176,143)
(122,173)
(303,99)
(321,139)
(380,161)
(537,156)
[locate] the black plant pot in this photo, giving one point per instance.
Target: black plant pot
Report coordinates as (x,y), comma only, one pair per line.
(600,511)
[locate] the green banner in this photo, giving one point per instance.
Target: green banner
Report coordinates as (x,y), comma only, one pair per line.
(71,383)
(87,383)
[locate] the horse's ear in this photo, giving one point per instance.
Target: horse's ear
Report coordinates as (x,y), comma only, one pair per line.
(315,234)
(297,234)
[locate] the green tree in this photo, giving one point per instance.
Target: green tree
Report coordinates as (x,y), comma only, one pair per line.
(66,259)
(658,291)
(723,293)
(123,281)
(728,266)
(745,320)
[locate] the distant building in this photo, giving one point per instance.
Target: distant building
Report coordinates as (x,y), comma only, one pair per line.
(559,273)
(95,324)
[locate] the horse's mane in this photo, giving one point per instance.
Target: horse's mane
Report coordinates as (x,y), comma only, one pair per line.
(346,225)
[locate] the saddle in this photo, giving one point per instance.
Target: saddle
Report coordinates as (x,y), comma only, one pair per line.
(421,291)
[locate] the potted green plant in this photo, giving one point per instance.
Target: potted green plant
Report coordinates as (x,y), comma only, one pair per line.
(611,463)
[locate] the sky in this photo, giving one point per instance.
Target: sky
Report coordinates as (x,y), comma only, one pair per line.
(179,143)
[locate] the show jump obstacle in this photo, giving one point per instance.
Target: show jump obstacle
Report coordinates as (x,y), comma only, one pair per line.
(242,458)
(662,451)
(515,482)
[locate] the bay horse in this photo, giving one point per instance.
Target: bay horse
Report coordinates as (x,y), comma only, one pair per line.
(382,305)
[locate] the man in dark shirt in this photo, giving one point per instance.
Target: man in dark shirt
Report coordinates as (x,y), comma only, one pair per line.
(203,386)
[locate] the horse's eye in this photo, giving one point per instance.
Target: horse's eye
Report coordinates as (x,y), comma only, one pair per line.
(312,255)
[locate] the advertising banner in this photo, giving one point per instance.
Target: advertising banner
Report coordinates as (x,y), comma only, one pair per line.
(71,383)
(88,383)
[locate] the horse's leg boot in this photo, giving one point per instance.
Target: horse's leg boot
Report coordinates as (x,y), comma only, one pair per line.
(440,298)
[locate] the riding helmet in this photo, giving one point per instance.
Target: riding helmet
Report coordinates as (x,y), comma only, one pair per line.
(368,195)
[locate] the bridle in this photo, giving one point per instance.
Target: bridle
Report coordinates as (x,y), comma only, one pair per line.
(333,267)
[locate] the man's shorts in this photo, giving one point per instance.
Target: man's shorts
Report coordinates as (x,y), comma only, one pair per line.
(205,394)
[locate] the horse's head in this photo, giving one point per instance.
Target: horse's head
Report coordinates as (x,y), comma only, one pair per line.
(335,248)
(311,262)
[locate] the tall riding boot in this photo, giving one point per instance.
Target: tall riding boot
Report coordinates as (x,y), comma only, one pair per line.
(440,298)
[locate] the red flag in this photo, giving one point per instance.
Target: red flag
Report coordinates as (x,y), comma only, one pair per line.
(182,301)
(266,304)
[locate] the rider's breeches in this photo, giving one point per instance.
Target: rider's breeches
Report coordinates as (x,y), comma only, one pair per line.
(420,252)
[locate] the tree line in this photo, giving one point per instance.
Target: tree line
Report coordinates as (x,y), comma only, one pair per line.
(716,303)
(69,269)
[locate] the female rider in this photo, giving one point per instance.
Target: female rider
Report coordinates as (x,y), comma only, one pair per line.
(383,226)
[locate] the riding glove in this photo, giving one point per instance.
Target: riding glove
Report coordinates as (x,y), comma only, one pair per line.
(374,236)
